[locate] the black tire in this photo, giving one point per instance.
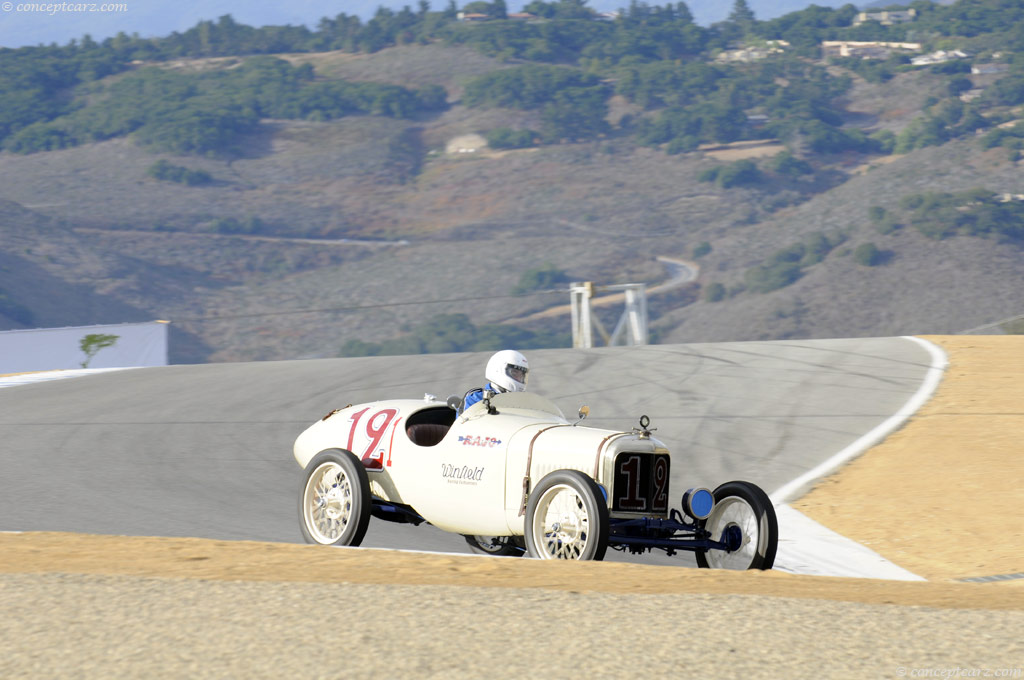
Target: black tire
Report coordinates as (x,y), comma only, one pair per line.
(337,514)
(739,498)
(499,546)
(583,535)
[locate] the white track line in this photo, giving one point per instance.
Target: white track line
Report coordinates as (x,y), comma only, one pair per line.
(45,376)
(807,547)
(790,491)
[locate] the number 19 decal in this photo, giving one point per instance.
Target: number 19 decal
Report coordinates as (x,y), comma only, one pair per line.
(376,427)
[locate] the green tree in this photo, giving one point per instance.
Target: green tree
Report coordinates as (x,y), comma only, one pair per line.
(959,85)
(1006,91)
(92,343)
(498,10)
(742,14)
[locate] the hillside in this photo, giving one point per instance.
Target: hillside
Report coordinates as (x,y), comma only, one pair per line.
(823,240)
(157,17)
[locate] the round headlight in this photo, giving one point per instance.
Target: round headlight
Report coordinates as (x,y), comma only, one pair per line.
(698,503)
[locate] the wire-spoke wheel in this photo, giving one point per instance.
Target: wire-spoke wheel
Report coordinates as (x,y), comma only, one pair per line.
(744,519)
(567,518)
(334,502)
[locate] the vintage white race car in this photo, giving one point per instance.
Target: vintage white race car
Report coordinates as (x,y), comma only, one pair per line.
(512,474)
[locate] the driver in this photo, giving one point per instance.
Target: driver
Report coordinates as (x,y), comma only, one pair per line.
(506,372)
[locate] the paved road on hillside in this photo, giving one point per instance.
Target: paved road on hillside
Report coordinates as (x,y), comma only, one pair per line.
(206,450)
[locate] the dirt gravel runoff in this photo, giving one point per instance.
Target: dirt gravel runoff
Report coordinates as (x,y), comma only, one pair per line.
(943,496)
(105,606)
(133,627)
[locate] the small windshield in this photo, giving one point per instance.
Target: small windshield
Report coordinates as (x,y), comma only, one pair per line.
(526,400)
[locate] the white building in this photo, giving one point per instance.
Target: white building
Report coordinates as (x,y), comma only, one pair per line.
(865,50)
(887,17)
(938,57)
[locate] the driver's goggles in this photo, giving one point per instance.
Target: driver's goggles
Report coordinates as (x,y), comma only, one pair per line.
(517,373)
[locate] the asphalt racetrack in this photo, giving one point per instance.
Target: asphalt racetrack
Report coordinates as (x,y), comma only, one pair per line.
(205,451)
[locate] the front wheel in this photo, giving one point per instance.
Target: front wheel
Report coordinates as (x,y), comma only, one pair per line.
(567,518)
(744,518)
(334,499)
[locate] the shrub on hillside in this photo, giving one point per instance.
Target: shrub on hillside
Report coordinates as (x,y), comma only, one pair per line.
(1007,91)
(788,165)
(714,292)
(946,120)
(817,245)
(975,212)
(1010,138)
(540,278)
(507,138)
(867,254)
(766,278)
(739,173)
(169,172)
(959,85)
(884,221)
(702,249)
(787,265)
(708,175)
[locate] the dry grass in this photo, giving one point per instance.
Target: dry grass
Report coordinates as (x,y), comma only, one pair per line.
(195,558)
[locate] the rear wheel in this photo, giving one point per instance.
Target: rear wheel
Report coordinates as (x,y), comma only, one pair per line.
(567,518)
(334,499)
(744,518)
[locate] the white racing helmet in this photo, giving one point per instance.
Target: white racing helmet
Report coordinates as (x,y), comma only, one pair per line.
(507,371)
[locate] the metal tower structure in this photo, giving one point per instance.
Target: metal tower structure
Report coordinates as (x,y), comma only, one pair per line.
(631,328)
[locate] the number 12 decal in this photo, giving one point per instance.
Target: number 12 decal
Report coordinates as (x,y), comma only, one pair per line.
(376,427)
(640,481)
